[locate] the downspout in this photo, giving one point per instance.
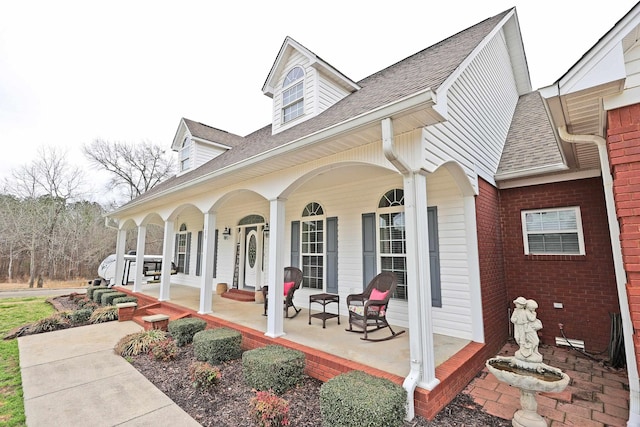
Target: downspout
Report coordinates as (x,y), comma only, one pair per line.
(388,147)
(621,276)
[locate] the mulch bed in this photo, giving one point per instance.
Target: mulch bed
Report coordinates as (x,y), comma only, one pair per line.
(227,404)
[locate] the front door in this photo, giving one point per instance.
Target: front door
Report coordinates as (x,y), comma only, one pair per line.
(251,257)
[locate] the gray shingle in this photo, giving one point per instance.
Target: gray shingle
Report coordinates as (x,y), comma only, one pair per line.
(428,68)
(531,141)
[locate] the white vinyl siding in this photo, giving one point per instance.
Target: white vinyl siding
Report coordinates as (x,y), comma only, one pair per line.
(328,94)
(205,152)
(481,103)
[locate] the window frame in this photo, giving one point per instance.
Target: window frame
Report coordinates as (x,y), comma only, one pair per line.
(579,231)
(313,212)
(391,203)
(185,154)
(293,84)
(181,240)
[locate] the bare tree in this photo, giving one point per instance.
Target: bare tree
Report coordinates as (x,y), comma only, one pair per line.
(45,187)
(134,168)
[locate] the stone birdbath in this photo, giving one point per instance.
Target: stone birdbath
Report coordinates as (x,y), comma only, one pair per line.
(525,369)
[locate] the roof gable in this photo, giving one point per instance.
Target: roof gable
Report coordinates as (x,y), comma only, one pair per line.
(288,47)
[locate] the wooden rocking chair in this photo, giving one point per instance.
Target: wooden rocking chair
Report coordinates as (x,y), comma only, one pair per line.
(368,310)
(291,275)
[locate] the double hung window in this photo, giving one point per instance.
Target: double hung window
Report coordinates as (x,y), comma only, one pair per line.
(313,246)
(553,232)
(293,95)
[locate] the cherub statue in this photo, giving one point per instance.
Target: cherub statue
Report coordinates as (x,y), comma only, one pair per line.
(529,340)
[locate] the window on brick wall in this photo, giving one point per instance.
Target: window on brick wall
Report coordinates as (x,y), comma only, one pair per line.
(553,231)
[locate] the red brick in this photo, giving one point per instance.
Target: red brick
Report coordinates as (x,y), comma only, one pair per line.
(499,410)
(609,420)
(577,421)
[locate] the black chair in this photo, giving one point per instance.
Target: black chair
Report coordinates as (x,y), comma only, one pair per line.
(291,275)
(368,312)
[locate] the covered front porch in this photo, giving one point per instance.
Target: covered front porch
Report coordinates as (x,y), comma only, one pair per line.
(331,350)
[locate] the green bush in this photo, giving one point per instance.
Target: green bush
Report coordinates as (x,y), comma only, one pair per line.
(80,316)
(273,367)
(104,314)
(139,342)
(120,300)
(164,350)
(217,345)
(97,294)
(183,330)
(357,399)
(55,322)
(107,298)
(203,375)
(87,303)
(92,289)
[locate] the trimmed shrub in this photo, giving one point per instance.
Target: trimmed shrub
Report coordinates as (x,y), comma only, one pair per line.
(203,375)
(104,314)
(269,410)
(92,289)
(97,294)
(139,342)
(80,316)
(55,322)
(87,303)
(124,299)
(164,350)
(183,330)
(217,345)
(107,298)
(273,367)
(357,399)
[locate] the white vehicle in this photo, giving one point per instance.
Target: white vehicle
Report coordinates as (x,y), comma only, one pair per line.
(151,271)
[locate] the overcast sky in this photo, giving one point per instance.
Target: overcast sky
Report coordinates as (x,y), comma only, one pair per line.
(74,71)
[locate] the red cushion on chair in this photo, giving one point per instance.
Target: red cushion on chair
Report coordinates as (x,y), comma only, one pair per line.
(377,295)
(288,286)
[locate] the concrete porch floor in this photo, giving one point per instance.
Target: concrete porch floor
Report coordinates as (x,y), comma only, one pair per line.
(390,356)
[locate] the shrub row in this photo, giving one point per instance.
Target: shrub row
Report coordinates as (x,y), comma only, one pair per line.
(183,330)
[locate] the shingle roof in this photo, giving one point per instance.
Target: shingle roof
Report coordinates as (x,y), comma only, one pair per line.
(202,131)
(531,141)
(428,68)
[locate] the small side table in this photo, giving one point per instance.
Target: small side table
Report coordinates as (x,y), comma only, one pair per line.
(324,299)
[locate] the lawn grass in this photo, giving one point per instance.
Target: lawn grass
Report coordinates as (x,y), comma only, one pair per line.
(15,312)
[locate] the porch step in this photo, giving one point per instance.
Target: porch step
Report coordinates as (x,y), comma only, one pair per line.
(239,295)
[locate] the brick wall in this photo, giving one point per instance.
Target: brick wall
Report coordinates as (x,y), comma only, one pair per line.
(623,146)
(585,285)
(492,274)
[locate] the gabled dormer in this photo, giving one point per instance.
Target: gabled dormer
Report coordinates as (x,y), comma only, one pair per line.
(197,143)
(302,85)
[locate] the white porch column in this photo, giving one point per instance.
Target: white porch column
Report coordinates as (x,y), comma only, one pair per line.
(422,355)
(473,258)
(208,248)
(275,311)
(167,257)
(142,235)
(121,240)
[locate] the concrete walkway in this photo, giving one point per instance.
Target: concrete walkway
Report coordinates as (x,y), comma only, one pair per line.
(73,378)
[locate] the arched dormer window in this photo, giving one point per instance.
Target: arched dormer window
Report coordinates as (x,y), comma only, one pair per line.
(293,95)
(185,154)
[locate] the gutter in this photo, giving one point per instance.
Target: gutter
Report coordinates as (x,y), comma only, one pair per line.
(621,276)
(415,373)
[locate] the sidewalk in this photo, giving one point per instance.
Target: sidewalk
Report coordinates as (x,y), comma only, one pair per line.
(596,396)
(73,378)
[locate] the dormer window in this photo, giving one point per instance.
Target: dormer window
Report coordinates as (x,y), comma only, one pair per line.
(293,95)
(185,154)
